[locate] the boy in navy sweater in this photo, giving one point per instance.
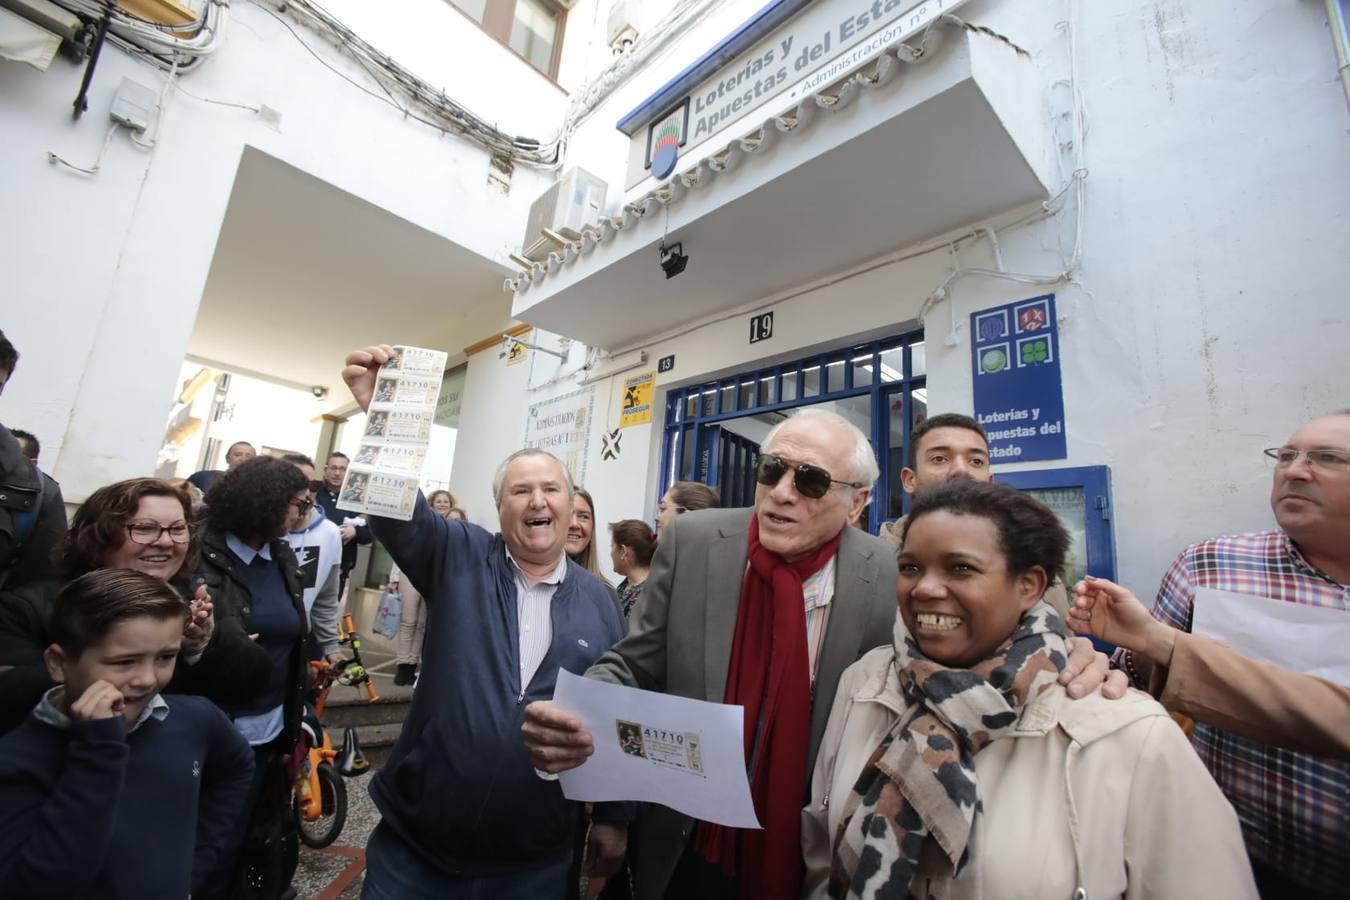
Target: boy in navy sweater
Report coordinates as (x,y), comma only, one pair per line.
(108,789)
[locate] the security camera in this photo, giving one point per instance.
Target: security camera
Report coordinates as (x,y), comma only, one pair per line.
(319,391)
(673,259)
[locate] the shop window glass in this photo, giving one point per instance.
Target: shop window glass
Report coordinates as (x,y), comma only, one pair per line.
(893,364)
(811,382)
(835,376)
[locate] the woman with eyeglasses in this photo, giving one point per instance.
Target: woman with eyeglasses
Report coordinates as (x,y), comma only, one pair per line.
(683,497)
(954,764)
(142,524)
(250,569)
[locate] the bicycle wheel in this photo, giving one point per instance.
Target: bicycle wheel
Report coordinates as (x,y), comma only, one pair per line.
(325,829)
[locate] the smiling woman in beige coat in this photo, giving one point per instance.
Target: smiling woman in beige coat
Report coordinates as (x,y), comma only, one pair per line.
(955,766)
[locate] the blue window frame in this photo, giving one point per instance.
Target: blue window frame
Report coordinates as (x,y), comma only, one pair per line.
(1082,498)
(885,376)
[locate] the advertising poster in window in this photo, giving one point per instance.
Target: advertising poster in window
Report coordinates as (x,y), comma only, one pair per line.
(1019,397)
(562,426)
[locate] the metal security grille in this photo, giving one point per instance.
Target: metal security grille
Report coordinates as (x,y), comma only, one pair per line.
(887,377)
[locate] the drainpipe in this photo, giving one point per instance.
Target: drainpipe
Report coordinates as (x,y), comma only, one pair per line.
(1339,36)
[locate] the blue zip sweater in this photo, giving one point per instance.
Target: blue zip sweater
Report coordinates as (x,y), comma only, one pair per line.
(92,811)
(459,787)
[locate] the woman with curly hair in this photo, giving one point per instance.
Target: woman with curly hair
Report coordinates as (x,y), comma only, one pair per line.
(250,569)
(142,524)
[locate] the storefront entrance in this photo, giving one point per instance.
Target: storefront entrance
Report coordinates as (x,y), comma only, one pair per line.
(713,430)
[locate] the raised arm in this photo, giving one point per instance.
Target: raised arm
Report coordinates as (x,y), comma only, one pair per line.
(1218,686)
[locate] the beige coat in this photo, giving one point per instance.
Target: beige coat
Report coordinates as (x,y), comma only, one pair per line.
(1106,795)
(1215,685)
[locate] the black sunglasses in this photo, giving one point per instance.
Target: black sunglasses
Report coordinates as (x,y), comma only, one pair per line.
(810,481)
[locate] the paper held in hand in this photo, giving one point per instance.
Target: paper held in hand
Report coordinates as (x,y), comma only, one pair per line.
(383,477)
(685,754)
(1298,637)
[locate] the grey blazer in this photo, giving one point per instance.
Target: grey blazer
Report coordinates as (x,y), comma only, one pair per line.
(681,630)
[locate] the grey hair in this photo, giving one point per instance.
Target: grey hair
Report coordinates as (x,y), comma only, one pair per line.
(864,460)
(500,477)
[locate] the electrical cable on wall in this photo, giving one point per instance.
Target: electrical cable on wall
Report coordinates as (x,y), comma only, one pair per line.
(55,160)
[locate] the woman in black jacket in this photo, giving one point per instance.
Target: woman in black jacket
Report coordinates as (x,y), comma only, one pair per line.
(248,567)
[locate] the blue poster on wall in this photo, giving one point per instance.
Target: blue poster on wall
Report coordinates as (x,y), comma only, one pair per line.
(1019,398)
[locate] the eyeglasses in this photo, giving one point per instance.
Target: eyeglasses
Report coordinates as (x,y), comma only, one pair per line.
(301,506)
(1325,460)
(810,481)
(149,532)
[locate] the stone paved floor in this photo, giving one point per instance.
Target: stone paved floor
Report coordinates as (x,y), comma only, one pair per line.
(333,872)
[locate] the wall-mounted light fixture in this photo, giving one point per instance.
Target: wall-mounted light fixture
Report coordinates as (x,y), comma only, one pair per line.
(509,342)
(673,260)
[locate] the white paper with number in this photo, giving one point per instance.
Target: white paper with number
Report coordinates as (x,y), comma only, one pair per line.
(685,754)
(384,475)
(1294,636)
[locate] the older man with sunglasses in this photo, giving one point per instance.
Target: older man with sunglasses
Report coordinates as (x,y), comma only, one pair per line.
(763,608)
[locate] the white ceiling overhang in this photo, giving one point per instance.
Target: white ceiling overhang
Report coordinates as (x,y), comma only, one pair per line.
(908,149)
(304,272)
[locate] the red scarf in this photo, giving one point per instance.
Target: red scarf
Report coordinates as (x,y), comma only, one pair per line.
(770,676)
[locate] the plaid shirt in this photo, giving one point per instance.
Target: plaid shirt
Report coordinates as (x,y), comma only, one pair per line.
(1294,808)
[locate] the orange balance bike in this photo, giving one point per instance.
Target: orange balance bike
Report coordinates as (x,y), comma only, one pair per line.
(319,796)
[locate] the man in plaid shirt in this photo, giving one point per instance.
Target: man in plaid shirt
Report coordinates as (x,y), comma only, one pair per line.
(1294,807)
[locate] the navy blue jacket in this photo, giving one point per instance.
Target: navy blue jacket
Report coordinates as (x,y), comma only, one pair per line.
(92,811)
(459,787)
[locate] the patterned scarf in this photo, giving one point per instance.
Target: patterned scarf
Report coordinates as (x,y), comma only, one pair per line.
(918,795)
(770,677)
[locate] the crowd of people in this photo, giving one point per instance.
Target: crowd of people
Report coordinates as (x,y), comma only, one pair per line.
(920,720)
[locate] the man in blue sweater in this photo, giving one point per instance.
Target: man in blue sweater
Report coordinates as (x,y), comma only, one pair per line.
(464,812)
(108,789)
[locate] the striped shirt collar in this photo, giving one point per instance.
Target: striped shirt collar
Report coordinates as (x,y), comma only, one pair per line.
(49,711)
(554,578)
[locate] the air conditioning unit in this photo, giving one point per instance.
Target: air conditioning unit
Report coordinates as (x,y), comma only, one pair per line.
(573,202)
(622,29)
(46,15)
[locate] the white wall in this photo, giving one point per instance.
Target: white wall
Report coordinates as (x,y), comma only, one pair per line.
(104,273)
(1209,318)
